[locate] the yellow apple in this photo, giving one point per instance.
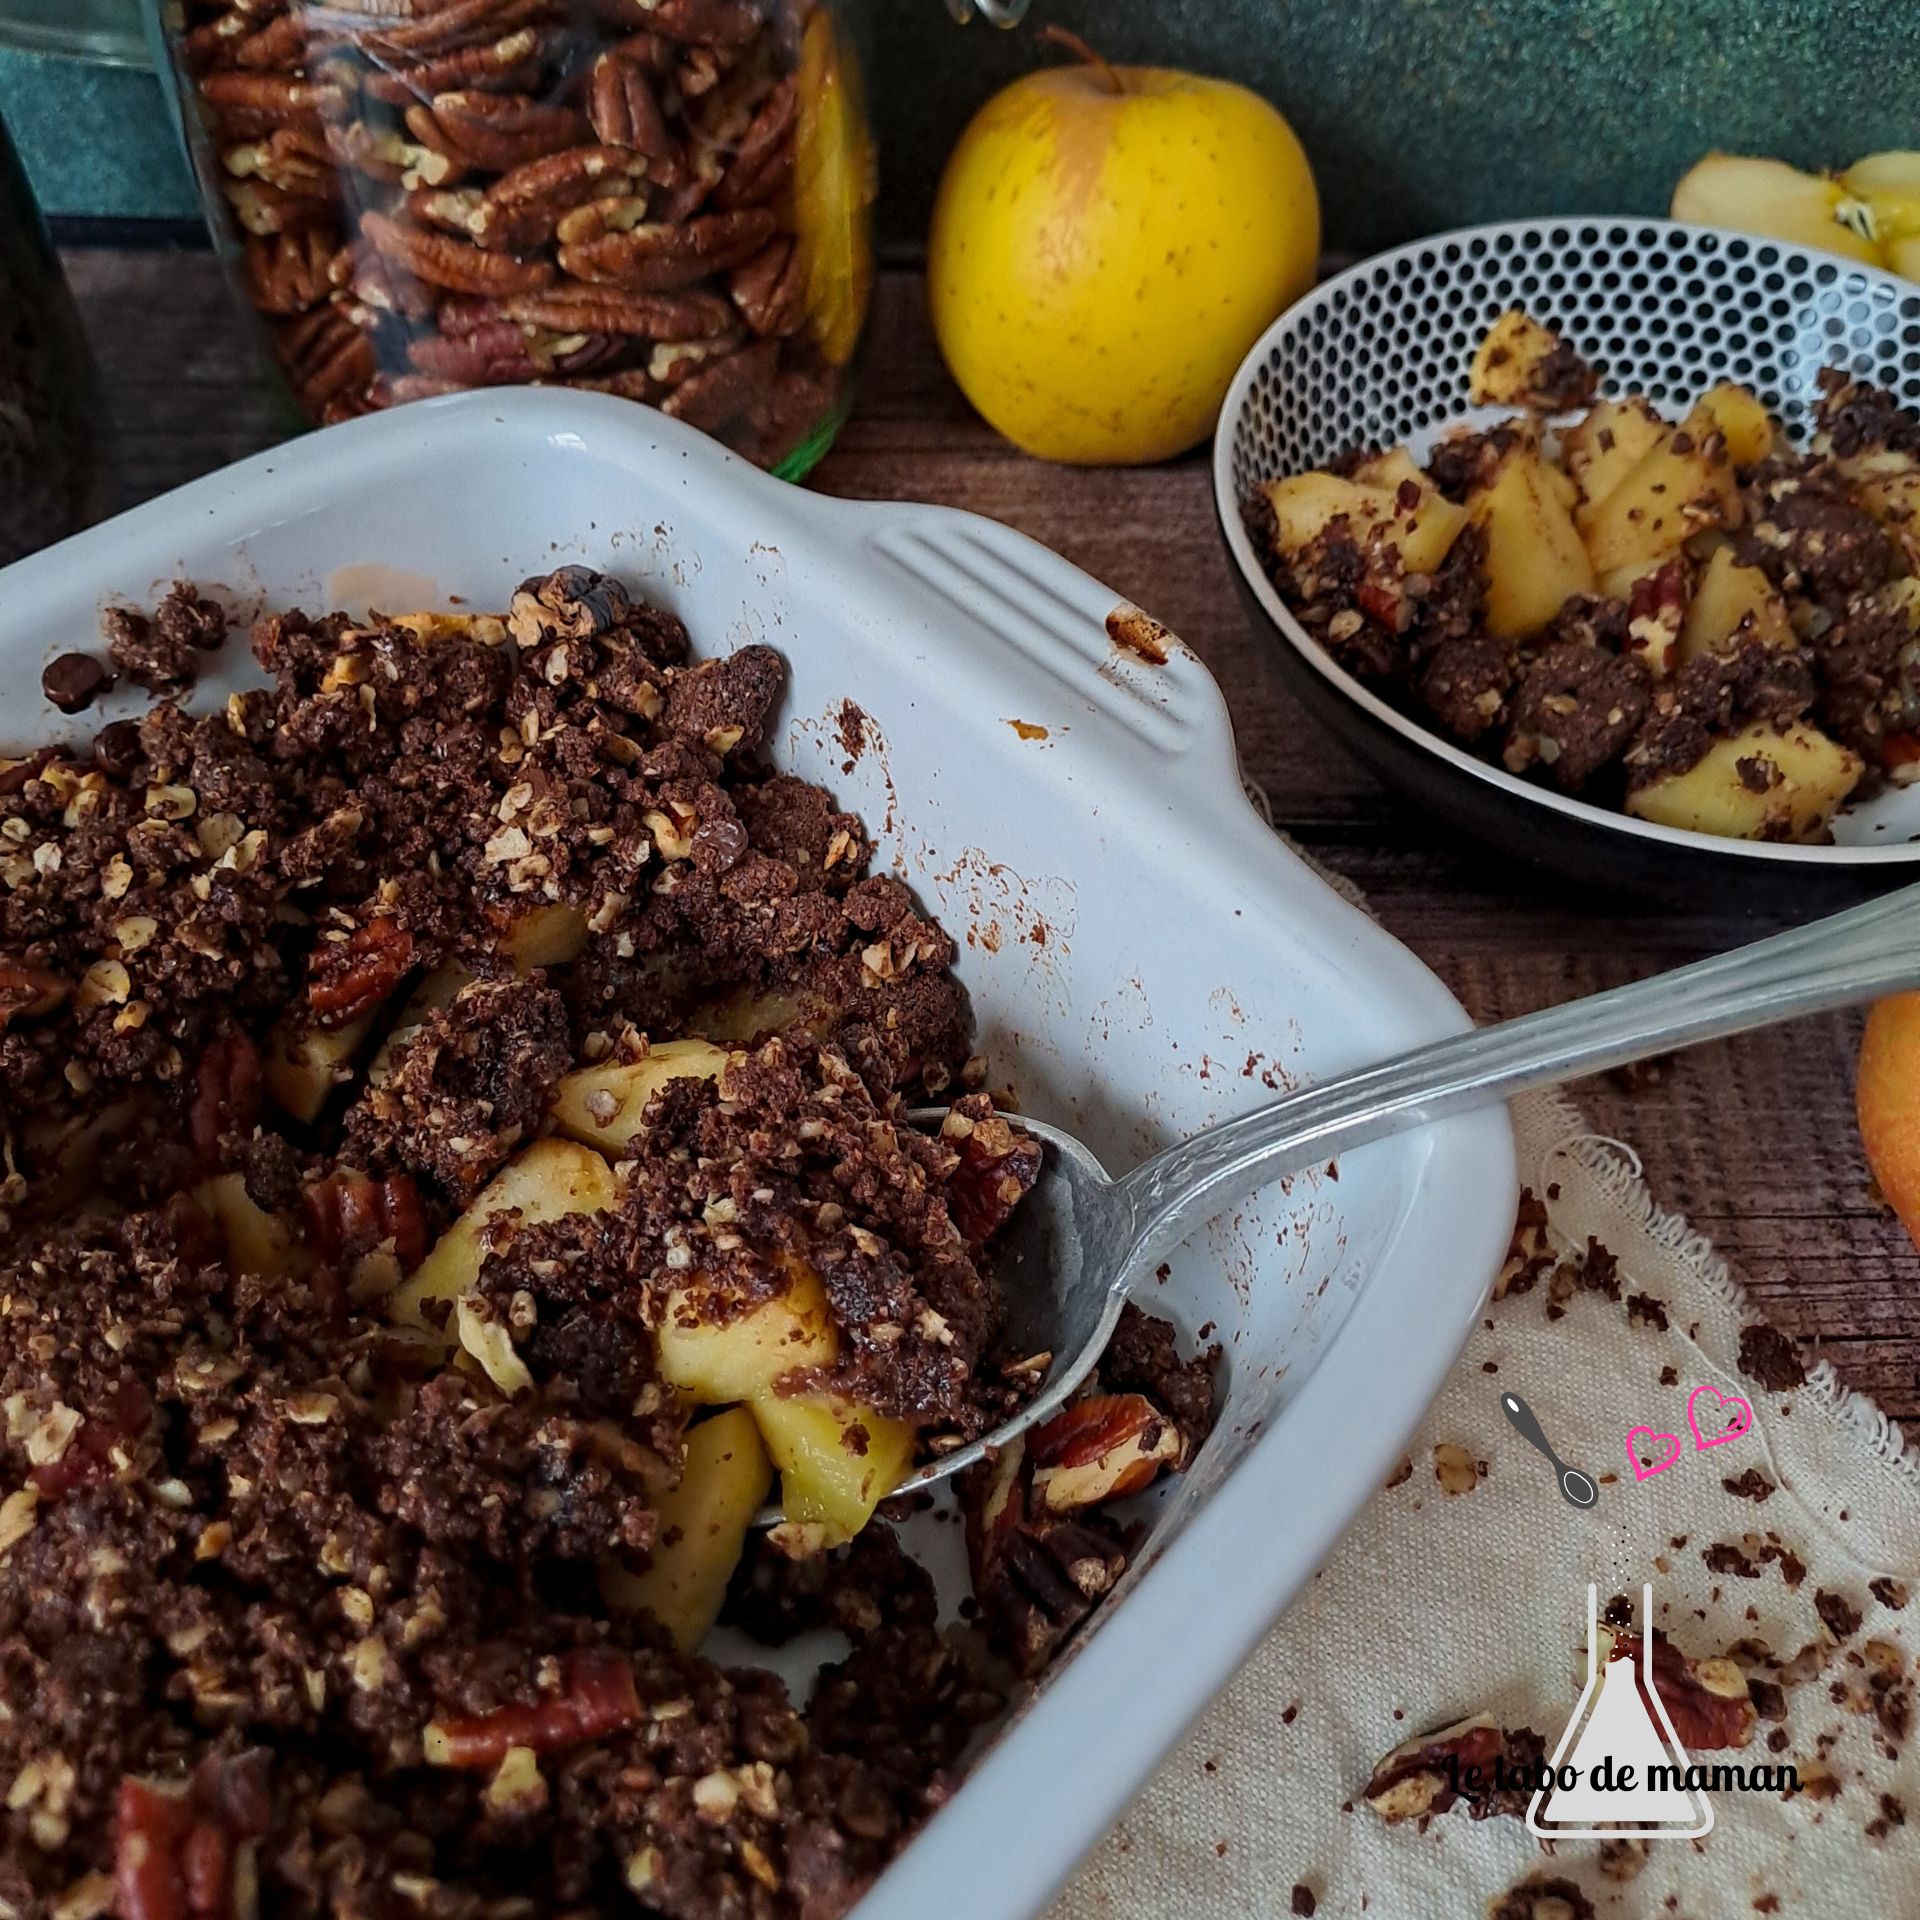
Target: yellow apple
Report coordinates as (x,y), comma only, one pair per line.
(1107,244)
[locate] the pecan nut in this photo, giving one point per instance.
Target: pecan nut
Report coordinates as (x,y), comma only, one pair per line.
(324,357)
(530,200)
(1101,1448)
(719,23)
(442,261)
(658,258)
(1707,1700)
(351,977)
(226,1096)
(1037,1578)
(726,390)
(770,290)
(429,32)
(496,131)
(997,1168)
(288,273)
(499,66)
(623,108)
(596,1696)
(351,1216)
(653,316)
(1427,1774)
(263,103)
(491,356)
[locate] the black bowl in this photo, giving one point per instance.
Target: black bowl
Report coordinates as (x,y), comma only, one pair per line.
(1378,355)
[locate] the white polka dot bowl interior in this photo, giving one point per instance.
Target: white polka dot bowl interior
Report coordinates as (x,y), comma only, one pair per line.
(1379,356)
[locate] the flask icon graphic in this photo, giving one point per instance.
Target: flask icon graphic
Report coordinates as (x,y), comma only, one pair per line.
(1627,1765)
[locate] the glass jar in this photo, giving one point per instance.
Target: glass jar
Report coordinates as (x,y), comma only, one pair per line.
(53,473)
(669,200)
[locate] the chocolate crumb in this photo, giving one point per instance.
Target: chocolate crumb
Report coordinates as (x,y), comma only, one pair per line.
(1842,1617)
(1889,1592)
(1669,1376)
(1643,1310)
(1768,1356)
(1302,1901)
(1750,1485)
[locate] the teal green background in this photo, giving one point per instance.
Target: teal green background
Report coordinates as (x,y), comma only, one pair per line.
(1418,114)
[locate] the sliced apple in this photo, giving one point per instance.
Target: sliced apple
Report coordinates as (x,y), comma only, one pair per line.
(1887,484)
(837,1459)
(1728,594)
(743,1017)
(704,1523)
(302,1065)
(1602,446)
(1740,419)
(1535,560)
(603,1105)
(1763,784)
(1679,487)
(1305,505)
(258,1242)
(1888,186)
(438,990)
(719,1358)
(546,1181)
(1768,197)
(1509,362)
(549,936)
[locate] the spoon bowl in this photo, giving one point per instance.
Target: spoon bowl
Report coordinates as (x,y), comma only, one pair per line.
(1081,1241)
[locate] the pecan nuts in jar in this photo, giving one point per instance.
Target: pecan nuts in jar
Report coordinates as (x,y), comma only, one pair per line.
(661,199)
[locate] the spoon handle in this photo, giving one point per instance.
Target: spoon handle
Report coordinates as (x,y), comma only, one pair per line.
(1526,1423)
(1847,957)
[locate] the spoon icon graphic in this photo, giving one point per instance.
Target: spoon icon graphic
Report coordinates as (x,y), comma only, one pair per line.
(1575,1487)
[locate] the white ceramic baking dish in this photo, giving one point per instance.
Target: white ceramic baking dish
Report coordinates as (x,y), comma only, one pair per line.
(1143,954)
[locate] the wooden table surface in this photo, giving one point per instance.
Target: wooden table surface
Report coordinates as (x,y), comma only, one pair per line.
(1753,1139)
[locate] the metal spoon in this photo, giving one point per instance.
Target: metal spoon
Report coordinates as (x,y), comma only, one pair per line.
(1081,1241)
(1575,1487)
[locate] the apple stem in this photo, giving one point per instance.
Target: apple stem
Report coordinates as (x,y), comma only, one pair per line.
(1065,37)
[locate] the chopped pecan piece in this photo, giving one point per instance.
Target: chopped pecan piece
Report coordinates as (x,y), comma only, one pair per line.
(596,1697)
(1101,1448)
(351,977)
(997,1170)
(28,992)
(226,1099)
(1037,1577)
(1707,1700)
(1427,1774)
(351,1216)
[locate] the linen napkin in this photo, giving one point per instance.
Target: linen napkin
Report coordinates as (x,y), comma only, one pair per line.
(1801,1537)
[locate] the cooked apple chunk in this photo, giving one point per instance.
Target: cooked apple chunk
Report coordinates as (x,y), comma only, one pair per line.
(258,1242)
(1534,560)
(1520,363)
(837,1459)
(1306,505)
(704,1523)
(1682,485)
(547,1181)
(603,1105)
(303,1065)
(1728,597)
(1602,447)
(720,1355)
(1765,783)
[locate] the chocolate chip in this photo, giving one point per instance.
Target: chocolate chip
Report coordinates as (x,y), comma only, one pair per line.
(719,845)
(117,751)
(75,681)
(1302,1901)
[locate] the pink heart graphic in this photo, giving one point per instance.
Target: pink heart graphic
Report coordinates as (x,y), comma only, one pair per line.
(1650,1433)
(1742,1419)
